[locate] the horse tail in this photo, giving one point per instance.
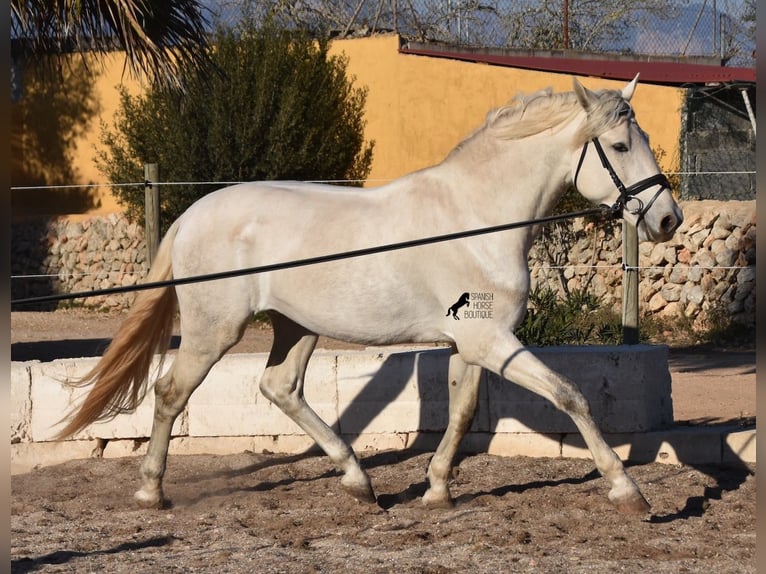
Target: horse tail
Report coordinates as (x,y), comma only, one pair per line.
(119,379)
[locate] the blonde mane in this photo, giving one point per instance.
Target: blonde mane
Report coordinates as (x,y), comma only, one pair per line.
(527,115)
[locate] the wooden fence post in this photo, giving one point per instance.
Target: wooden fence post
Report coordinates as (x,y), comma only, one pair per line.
(151,210)
(629,284)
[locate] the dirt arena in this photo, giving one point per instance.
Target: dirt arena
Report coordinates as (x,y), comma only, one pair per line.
(266,512)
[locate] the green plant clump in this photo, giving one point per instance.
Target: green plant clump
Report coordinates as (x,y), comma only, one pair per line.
(575,319)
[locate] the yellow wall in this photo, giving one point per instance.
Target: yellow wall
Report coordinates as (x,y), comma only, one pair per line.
(55,137)
(418,109)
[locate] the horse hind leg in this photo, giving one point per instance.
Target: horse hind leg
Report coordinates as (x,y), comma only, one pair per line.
(282,384)
(464,382)
(196,356)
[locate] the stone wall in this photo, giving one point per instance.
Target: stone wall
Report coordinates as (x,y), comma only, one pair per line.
(64,256)
(708,266)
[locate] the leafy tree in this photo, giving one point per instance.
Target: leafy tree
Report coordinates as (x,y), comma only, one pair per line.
(282,108)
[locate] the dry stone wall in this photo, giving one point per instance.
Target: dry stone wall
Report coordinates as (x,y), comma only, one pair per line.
(63,256)
(708,266)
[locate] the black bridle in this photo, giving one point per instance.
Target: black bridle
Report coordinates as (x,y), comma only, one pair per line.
(627,194)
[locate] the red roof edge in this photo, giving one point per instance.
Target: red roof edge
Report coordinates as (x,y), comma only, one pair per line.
(657,70)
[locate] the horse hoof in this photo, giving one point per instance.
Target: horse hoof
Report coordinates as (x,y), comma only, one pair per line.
(148,500)
(433,501)
(361,493)
(634,504)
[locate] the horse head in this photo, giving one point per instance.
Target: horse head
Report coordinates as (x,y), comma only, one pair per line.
(614,165)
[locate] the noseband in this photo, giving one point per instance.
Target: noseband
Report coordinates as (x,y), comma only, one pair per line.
(627,194)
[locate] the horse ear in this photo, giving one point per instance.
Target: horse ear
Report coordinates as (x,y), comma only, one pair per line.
(627,91)
(584,95)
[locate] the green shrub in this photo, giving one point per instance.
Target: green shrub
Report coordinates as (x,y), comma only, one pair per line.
(281,108)
(576,319)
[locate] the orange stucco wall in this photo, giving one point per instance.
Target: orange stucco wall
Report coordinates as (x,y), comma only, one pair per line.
(418,109)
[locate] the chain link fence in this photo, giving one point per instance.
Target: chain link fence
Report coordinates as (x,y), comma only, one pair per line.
(721,30)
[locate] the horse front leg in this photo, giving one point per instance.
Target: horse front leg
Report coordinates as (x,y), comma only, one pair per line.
(463,396)
(510,359)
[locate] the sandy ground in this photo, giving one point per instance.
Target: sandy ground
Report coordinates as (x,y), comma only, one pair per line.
(266,513)
(270,513)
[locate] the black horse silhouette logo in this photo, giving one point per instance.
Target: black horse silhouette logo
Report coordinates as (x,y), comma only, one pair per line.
(460,303)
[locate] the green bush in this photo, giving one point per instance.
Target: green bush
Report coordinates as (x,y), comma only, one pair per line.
(576,319)
(280,108)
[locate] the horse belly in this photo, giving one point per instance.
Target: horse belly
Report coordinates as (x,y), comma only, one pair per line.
(356,301)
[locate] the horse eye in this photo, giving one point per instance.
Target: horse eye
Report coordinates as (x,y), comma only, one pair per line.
(620,147)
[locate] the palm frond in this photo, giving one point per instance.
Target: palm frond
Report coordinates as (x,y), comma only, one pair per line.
(160,38)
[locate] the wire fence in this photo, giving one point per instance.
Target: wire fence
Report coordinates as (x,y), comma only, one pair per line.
(64,275)
(722,30)
(697,286)
(142,184)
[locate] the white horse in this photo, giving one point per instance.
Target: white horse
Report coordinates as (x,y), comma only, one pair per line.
(513,168)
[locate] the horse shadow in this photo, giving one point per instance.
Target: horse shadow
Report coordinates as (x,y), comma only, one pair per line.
(60,557)
(430,373)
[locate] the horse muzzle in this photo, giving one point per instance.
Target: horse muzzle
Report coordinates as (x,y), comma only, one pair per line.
(661,220)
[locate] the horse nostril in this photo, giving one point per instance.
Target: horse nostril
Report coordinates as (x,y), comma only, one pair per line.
(668,224)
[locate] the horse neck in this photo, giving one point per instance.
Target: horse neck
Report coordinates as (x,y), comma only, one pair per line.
(511,180)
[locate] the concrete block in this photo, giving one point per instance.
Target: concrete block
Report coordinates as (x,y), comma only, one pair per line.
(21,402)
(433,384)
(400,391)
(378,393)
(682,445)
(230,403)
(525,444)
(27,456)
(286,444)
(377,442)
(573,446)
(627,387)
(739,446)
(52,400)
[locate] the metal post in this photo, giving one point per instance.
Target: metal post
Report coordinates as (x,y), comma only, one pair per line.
(151,210)
(748,107)
(629,284)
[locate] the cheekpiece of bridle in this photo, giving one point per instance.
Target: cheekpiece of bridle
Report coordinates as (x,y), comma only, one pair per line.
(627,200)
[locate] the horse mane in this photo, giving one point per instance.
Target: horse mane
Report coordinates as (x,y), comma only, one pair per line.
(528,115)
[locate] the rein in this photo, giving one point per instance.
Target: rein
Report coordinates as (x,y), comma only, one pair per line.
(626,193)
(602,211)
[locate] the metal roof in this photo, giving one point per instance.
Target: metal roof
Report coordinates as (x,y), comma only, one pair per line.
(653,69)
